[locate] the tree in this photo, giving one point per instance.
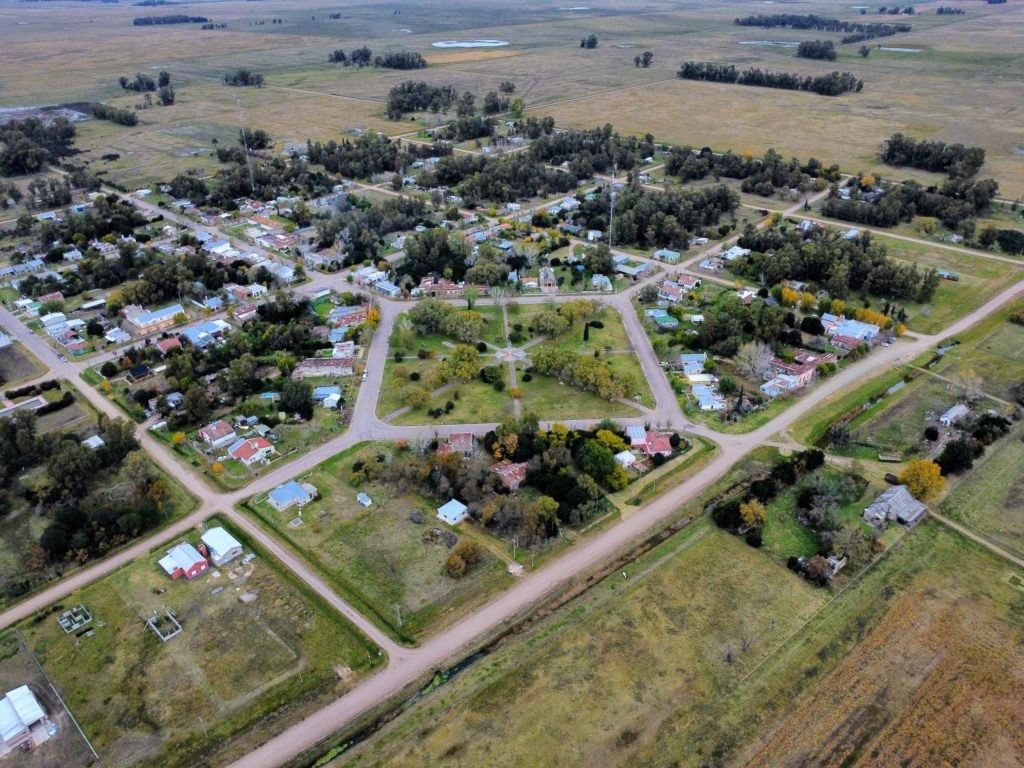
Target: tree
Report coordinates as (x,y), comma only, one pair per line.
(753,514)
(957,456)
(470,294)
(464,556)
(196,404)
(167,96)
(507,86)
(589,42)
(754,359)
(108,369)
(923,478)
(138,471)
(296,397)
(864,51)
(646,58)
(71,467)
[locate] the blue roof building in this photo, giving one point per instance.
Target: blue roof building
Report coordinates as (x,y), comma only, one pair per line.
(291,494)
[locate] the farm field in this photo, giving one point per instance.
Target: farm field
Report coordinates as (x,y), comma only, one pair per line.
(244,649)
(689,705)
(990,497)
(387,565)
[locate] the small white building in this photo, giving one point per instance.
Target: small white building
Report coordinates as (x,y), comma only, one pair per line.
(19,713)
(364,499)
(222,546)
(454,512)
(953,415)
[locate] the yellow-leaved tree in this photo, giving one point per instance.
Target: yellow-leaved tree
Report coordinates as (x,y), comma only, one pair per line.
(923,478)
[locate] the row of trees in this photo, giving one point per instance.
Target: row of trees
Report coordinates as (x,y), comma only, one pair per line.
(833,84)
(142,83)
(837,265)
(360,57)
(817,49)
(174,18)
(26,146)
(956,160)
(761,175)
(957,201)
(119,115)
(466,129)
(243,77)
(419,96)
(823,24)
(363,57)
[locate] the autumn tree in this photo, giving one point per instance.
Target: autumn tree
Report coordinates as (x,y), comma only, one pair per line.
(923,478)
(754,359)
(753,514)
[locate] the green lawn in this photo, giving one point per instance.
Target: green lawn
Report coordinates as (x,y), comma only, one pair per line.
(994,364)
(376,557)
(549,399)
(475,403)
(202,694)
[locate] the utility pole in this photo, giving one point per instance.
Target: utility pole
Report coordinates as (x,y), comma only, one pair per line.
(245,146)
(611,215)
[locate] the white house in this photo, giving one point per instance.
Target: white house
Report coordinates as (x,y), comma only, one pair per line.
(19,713)
(454,512)
(222,546)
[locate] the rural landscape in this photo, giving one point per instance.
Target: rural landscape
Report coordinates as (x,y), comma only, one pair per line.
(416,383)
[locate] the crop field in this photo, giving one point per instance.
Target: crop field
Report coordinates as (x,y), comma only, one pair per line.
(250,641)
(386,564)
(990,498)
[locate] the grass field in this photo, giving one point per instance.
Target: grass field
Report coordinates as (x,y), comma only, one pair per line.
(377,557)
(994,364)
(990,498)
(648,655)
(198,695)
(17,364)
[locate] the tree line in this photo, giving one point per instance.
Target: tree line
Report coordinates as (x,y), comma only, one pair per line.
(859,30)
(817,49)
(363,57)
(243,77)
(466,128)
(955,160)
(119,115)
(172,18)
(511,177)
(958,200)
(26,146)
(761,175)
(832,84)
(949,10)
(419,96)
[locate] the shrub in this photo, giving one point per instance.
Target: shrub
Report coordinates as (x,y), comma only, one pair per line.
(414,376)
(754,539)
(108,369)
(527,377)
(481,346)
(931,434)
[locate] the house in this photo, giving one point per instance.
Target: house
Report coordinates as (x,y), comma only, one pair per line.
(320,394)
(387,288)
(218,434)
(205,334)
(511,474)
(364,499)
(625,459)
(601,282)
(548,281)
(528,283)
(439,287)
(291,494)
(458,442)
(897,503)
(953,415)
(805,364)
(93,443)
(711,265)
(735,253)
(183,560)
(666,322)
(149,322)
(251,451)
(166,345)
(19,714)
(453,512)
(845,342)
(671,291)
(666,254)
(636,435)
(780,385)
(222,546)
(688,282)
(851,234)
(593,235)
(657,444)
(708,398)
(117,336)
(629,267)
(693,362)
(139,372)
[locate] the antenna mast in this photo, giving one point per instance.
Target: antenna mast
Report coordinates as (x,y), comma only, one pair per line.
(245,146)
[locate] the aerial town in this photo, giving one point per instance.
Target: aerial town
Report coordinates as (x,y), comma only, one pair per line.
(416,384)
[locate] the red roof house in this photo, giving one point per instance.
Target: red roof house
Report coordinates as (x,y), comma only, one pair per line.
(658,443)
(512,475)
(250,451)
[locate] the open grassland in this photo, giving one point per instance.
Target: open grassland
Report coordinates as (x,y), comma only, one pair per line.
(960,82)
(235,666)
(990,498)
(993,364)
(17,364)
(648,656)
(389,566)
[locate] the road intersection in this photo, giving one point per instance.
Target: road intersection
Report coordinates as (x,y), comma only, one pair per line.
(405,665)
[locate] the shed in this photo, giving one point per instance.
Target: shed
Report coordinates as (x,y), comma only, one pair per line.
(93,443)
(183,560)
(953,415)
(453,512)
(223,547)
(364,499)
(19,712)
